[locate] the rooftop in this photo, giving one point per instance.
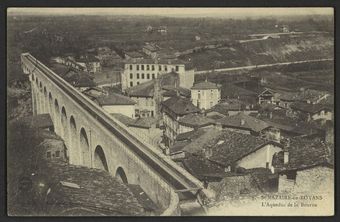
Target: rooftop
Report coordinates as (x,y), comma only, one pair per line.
(243,121)
(180,106)
(205,85)
(309,108)
(305,153)
(115,99)
(195,120)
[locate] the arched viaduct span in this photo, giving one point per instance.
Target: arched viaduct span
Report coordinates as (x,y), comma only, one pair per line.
(95,139)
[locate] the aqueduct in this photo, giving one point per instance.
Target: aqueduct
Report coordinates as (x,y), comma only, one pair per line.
(95,139)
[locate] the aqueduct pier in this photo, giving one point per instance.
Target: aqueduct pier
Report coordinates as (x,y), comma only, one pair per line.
(95,139)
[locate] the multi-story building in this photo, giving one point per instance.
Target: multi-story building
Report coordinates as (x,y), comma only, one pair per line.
(91,63)
(206,94)
(173,110)
(139,71)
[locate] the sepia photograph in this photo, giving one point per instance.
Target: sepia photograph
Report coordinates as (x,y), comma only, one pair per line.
(170,111)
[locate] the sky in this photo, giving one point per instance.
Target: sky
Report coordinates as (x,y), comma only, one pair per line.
(175,12)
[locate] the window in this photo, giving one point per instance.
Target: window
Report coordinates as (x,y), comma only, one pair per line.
(57,153)
(147,67)
(151,113)
(177,68)
(137,75)
(142,75)
(160,68)
(165,68)
(153,67)
(137,67)
(211,104)
(137,83)
(199,95)
(131,75)
(131,84)
(153,75)
(148,76)
(142,67)
(48,155)
(130,67)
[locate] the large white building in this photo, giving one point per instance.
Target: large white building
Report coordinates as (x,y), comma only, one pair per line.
(143,70)
(205,95)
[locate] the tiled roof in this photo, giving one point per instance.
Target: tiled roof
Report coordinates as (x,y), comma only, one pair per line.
(115,99)
(202,168)
(195,120)
(243,121)
(87,58)
(232,146)
(305,153)
(123,119)
(309,108)
(205,85)
(146,122)
(180,106)
(98,190)
(231,105)
(134,54)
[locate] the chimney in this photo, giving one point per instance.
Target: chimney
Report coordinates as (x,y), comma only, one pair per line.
(242,122)
(270,114)
(286,153)
(218,126)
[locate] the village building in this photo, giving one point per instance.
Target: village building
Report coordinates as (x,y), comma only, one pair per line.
(306,166)
(227,149)
(90,62)
(308,112)
(146,129)
(266,96)
(230,107)
(151,50)
(231,91)
(205,94)
(139,71)
(116,103)
(173,109)
(108,57)
(148,95)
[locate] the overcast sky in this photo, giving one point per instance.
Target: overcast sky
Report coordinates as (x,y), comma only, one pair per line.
(178,12)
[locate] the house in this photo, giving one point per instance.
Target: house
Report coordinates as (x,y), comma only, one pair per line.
(146,129)
(139,71)
(151,50)
(108,57)
(244,124)
(308,111)
(266,96)
(90,62)
(163,30)
(306,166)
(172,110)
(149,94)
(228,149)
(205,94)
(116,103)
(230,107)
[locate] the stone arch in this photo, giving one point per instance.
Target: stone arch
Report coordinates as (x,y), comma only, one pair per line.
(84,148)
(120,174)
(64,128)
(57,116)
(36,81)
(100,159)
(45,100)
(50,102)
(74,153)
